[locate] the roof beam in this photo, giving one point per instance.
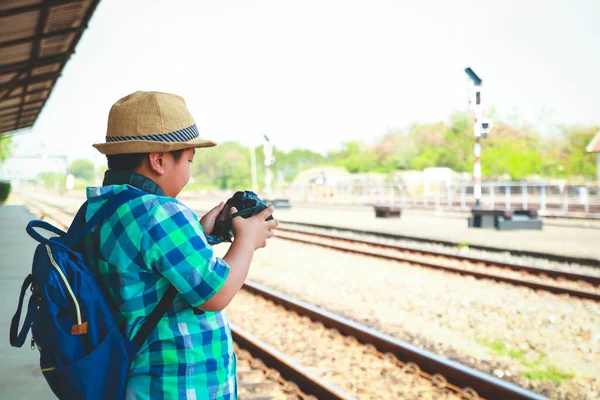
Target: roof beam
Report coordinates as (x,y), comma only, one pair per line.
(28,93)
(23,66)
(34,7)
(35,54)
(24,69)
(34,79)
(84,24)
(44,36)
(53,76)
(24,104)
(10,85)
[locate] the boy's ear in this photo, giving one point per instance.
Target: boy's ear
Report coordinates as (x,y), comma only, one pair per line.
(156,161)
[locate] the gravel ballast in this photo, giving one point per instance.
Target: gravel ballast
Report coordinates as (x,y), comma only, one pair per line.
(342,361)
(511,332)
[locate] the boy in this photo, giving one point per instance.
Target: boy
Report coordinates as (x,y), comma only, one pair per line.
(154,241)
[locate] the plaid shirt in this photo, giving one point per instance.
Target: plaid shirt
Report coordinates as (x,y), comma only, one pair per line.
(148,243)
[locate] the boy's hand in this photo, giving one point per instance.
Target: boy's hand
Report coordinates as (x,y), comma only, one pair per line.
(208,220)
(254,230)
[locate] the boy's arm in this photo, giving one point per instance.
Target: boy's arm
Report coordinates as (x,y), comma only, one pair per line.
(238,257)
(172,244)
(249,234)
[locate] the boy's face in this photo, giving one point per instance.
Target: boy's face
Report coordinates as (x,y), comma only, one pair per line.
(176,174)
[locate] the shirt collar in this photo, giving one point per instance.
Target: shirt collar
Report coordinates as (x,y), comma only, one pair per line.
(125,177)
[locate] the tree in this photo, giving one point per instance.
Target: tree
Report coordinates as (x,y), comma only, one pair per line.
(394,151)
(226,166)
(443,145)
(288,165)
(355,157)
(577,162)
(82,169)
(514,149)
(6,146)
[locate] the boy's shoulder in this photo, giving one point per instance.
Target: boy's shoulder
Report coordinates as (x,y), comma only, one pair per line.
(147,205)
(161,207)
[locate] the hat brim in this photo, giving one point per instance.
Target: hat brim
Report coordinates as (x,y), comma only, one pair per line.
(147,146)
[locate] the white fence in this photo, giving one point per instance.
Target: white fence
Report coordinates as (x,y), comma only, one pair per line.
(549,199)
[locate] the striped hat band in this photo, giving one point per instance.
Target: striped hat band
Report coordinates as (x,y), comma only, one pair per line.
(180,136)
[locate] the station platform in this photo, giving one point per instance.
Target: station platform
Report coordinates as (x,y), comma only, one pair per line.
(20,375)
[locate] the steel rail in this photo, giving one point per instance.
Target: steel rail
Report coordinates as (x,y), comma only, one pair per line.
(592,262)
(290,370)
(481,275)
(457,374)
(553,273)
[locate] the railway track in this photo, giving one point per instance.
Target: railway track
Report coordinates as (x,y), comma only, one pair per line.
(289,380)
(443,374)
(265,373)
(558,282)
(591,262)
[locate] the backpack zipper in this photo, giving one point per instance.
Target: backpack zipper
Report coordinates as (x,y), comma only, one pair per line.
(64,279)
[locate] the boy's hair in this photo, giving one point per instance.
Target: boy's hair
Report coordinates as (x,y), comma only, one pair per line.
(132,161)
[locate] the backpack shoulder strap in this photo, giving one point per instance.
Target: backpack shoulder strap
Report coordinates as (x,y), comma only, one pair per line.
(152,320)
(75,235)
(18,338)
(81,228)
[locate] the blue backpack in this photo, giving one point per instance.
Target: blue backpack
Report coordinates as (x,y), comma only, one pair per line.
(83,355)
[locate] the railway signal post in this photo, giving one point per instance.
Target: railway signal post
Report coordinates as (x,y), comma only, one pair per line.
(490,218)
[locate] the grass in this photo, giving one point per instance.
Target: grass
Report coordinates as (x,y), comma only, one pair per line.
(462,245)
(539,369)
(550,373)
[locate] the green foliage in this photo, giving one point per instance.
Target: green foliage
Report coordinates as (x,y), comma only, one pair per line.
(463,245)
(548,373)
(355,157)
(82,169)
(507,150)
(576,161)
(226,166)
(512,149)
(80,185)
(538,369)
(53,180)
(288,165)
(4,191)
(512,159)
(6,146)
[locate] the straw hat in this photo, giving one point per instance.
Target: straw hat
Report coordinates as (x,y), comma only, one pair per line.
(146,122)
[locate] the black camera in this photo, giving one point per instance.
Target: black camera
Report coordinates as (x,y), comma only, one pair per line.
(247,204)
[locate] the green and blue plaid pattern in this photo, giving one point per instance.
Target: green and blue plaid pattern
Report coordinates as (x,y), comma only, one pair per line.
(148,243)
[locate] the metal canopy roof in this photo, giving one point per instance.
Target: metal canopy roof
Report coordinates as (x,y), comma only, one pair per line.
(37,37)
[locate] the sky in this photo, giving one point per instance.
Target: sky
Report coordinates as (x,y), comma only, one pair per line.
(315,73)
